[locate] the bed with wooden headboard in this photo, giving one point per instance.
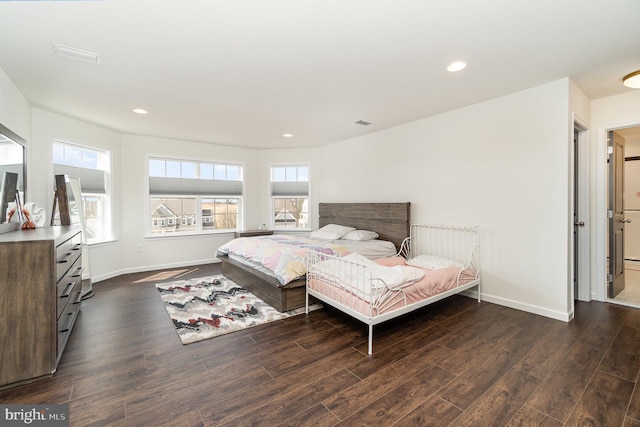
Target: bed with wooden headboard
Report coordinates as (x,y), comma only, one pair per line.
(390,220)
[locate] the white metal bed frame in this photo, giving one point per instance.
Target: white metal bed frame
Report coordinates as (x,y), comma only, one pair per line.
(367,295)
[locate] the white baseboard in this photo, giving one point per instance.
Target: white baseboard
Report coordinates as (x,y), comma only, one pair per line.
(632,264)
(518,305)
(113,274)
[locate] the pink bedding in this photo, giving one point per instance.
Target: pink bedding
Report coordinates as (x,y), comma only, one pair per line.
(433,283)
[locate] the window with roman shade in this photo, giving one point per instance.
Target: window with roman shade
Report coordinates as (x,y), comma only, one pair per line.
(290,196)
(93,168)
(193,196)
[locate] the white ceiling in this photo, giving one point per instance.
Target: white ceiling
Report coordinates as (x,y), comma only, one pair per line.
(244,72)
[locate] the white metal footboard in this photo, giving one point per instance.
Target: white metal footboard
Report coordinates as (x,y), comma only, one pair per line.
(350,287)
(350,284)
(453,242)
(457,243)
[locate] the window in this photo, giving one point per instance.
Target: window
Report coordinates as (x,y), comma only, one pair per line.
(290,196)
(193,196)
(93,167)
(11,160)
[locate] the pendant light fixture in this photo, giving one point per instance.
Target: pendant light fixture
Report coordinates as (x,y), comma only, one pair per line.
(632,80)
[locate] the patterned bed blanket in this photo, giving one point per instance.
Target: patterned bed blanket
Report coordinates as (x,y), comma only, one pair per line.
(285,255)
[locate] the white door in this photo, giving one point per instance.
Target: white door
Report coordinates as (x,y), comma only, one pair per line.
(615,279)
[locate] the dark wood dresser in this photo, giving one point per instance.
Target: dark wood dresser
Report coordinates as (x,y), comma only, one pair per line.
(40,298)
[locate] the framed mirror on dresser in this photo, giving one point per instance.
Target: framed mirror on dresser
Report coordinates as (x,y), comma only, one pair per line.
(68,209)
(13,174)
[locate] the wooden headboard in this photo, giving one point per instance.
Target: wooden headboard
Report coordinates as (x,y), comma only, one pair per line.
(390,220)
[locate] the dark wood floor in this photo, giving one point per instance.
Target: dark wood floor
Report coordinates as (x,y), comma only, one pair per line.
(456,363)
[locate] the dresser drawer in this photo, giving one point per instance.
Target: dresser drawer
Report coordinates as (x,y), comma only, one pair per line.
(66,254)
(68,317)
(68,285)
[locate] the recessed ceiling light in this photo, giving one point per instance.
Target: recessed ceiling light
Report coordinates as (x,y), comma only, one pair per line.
(77,54)
(287,135)
(362,122)
(456,66)
(140,111)
(632,80)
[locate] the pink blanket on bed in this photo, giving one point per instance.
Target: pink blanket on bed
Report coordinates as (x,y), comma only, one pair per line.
(434,282)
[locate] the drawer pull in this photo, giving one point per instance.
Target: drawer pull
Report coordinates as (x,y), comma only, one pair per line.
(78,298)
(67,290)
(77,247)
(65,258)
(78,272)
(67,323)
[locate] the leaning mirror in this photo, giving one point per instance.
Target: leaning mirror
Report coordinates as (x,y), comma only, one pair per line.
(13,173)
(69,209)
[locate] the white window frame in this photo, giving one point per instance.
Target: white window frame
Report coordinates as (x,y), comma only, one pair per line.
(105,162)
(272,197)
(198,218)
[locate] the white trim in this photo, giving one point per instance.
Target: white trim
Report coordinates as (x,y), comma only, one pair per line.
(105,155)
(599,289)
(518,305)
(147,213)
(271,217)
(584,200)
(188,234)
(122,271)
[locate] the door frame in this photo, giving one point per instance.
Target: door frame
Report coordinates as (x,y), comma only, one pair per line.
(580,189)
(599,269)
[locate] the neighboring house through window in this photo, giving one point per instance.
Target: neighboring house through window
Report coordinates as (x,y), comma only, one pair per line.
(290,197)
(93,168)
(193,196)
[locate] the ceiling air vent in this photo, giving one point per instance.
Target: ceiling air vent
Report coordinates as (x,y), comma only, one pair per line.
(362,122)
(77,54)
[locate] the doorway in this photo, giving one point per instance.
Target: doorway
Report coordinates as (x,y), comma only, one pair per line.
(580,242)
(623,231)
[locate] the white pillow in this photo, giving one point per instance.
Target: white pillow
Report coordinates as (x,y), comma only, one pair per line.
(433,262)
(360,235)
(327,235)
(339,230)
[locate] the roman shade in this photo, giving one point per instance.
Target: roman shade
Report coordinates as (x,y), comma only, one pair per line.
(290,189)
(91,180)
(194,187)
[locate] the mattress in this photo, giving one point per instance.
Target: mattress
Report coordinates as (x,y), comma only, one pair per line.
(284,256)
(432,283)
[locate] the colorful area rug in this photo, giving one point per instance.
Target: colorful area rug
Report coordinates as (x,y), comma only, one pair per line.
(211,306)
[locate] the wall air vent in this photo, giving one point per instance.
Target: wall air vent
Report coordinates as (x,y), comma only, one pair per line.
(77,54)
(362,122)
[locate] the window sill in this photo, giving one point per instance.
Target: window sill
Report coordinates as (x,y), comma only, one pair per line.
(102,243)
(188,234)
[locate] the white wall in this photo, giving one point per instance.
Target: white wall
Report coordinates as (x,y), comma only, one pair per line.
(104,258)
(501,165)
(609,113)
(162,251)
(15,110)
(15,115)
